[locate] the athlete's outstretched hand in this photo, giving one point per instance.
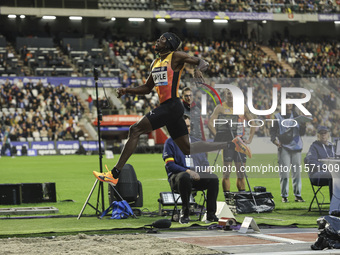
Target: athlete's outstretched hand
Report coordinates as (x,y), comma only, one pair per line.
(198,77)
(120,92)
(198,74)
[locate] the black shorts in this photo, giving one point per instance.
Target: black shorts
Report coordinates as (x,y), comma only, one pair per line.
(169,114)
(230,155)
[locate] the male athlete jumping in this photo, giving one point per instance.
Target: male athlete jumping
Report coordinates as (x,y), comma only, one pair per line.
(165,76)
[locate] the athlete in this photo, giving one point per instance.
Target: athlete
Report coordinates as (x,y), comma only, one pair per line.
(234,134)
(165,76)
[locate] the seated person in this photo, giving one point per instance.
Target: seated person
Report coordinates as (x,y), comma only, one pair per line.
(320,149)
(183,178)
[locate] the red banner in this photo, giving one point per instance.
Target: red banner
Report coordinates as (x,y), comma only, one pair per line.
(118,120)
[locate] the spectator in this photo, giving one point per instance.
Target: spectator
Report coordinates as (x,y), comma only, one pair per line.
(90,102)
(191,109)
(289,143)
(6,141)
(68,135)
(67,49)
(43,132)
(322,148)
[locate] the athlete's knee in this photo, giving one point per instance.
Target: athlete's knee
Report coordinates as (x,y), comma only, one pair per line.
(226,175)
(135,130)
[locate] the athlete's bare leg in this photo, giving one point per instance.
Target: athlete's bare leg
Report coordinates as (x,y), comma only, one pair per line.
(226,179)
(197,147)
(240,183)
(137,129)
(226,184)
(144,126)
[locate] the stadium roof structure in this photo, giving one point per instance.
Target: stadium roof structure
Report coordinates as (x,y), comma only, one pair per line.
(169,14)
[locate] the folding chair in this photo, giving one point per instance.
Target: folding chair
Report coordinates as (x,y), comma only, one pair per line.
(315,192)
(176,197)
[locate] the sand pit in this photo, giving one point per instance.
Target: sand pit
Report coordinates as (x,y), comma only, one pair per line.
(99,244)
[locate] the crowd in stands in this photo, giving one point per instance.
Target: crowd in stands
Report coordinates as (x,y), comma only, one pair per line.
(9,62)
(42,113)
(271,6)
(274,6)
(136,4)
(228,59)
(311,59)
(233,59)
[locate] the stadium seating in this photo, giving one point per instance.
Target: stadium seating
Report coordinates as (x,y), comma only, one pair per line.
(43,109)
(272,6)
(135,4)
(231,58)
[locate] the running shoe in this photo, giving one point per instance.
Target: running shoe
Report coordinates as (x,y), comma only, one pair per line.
(285,200)
(106,177)
(183,219)
(299,199)
(241,147)
(211,218)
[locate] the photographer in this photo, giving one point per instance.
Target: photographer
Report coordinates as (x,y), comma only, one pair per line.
(289,143)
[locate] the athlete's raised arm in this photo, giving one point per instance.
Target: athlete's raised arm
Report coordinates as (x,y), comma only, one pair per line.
(179,58)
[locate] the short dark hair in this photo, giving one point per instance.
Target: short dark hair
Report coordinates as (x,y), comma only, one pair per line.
(186,117)
(185,90)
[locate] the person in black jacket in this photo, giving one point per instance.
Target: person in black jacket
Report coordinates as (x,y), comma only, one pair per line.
(320,149)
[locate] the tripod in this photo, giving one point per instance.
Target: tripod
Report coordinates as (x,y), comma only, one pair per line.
(101,184)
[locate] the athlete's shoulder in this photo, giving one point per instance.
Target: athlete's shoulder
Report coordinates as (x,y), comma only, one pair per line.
(153,62)
(219,109)
(222,106)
